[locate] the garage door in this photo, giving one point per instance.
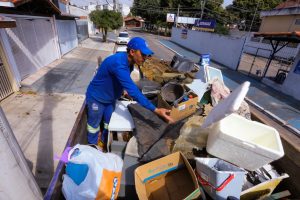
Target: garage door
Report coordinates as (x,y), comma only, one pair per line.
(67,35)
(33,44)
(5,85)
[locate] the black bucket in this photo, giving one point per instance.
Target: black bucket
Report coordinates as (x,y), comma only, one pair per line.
(171,92)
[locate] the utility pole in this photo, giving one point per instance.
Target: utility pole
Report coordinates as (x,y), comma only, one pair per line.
(177,14)
(254,16)
(115,5)
(202,3)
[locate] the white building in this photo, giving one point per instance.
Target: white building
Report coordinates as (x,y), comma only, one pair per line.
(84,12)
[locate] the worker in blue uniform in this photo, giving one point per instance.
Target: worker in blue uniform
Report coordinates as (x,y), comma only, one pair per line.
(111,79)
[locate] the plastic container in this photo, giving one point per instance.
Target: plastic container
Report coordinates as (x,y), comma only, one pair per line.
(219,178)
(247,144)
(204,59)
(171,92)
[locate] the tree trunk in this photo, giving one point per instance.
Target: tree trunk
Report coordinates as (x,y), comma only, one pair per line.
(105,35)
(166,30)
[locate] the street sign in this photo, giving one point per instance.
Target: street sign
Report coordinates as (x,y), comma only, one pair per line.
(205,25)
(170,17)
(186,20)
(184,33)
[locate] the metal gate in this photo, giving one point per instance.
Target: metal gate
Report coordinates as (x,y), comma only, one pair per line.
(5,85)
(253,62)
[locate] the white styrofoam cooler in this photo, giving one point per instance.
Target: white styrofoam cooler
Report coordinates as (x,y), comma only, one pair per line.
(245,143)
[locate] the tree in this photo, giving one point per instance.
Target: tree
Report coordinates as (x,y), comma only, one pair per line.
(244,10)
(155,11)
(106,20)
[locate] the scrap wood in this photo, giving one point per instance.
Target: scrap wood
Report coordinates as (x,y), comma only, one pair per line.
(153,68)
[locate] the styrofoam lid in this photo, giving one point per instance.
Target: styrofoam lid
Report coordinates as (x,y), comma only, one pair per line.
(228,106)
(198,87)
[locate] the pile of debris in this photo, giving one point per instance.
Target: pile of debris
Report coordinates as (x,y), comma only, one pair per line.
(213,150)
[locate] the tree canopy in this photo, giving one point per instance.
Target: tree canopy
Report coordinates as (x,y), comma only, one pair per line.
(106,20)
(244,10)
(240,11)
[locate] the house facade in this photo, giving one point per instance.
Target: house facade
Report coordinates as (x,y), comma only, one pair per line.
(133,22)
(42,34)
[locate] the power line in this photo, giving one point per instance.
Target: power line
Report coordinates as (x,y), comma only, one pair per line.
(108,3)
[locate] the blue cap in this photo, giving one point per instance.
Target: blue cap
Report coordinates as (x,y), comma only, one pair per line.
(138,43)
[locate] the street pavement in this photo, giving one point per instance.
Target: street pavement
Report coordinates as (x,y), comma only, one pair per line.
(159,50)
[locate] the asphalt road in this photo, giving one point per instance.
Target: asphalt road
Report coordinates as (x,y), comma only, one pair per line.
(159,50)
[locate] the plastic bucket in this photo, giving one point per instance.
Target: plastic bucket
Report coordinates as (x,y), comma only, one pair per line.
(219,178)
(204,59)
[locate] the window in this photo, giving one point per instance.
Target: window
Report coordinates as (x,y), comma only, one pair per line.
(123,35)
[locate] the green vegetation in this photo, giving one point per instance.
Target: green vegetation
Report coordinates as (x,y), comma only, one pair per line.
(241,12)
(106,20)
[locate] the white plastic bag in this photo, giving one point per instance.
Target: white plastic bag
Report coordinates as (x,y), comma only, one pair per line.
(103,178)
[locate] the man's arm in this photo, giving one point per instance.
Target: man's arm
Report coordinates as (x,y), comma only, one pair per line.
(122,74)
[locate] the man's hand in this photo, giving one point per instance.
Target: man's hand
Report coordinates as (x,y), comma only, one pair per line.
(164,113)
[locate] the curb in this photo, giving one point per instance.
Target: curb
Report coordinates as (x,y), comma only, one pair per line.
(274,117)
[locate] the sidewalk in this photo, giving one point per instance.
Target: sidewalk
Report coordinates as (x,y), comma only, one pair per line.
(43,113)
(283,108)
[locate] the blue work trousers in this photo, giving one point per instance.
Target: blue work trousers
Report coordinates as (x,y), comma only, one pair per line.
(98,112)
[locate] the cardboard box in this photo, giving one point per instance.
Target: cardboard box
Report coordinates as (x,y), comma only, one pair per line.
(183,109)
(170,177)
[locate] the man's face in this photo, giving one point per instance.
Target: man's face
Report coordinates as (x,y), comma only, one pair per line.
(138,57)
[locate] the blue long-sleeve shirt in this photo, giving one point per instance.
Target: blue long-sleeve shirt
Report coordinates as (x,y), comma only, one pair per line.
(112,78)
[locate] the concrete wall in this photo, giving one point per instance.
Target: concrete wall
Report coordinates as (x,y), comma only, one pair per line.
(280,23)
(292,81)
(81,12)
(225,50)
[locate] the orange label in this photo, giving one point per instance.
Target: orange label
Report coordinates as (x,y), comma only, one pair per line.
(109,186)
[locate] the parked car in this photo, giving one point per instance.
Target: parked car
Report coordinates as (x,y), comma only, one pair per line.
(121,49)
(123,38)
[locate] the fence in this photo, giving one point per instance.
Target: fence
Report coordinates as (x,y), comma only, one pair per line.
(82,30)
(5,85)
(254,61)
(223,49)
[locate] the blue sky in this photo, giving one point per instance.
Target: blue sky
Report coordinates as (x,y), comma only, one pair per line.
(227,2)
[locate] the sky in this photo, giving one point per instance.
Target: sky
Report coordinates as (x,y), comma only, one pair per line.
(128,2)
(227,2)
